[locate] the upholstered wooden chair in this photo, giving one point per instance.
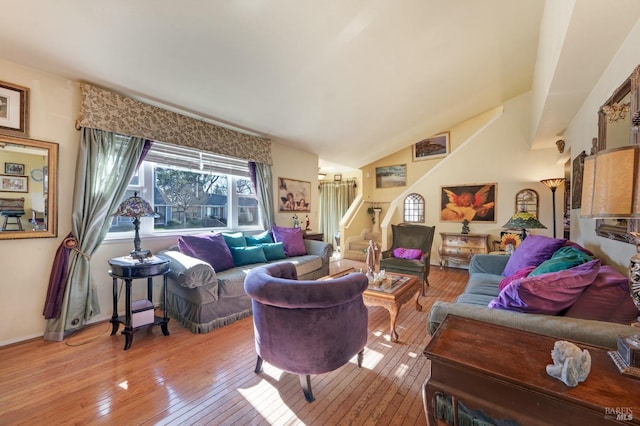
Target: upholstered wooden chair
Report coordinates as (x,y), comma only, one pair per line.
(410,236)
(306,327)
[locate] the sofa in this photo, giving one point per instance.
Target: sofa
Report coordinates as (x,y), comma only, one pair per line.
(205,288)
(590,302)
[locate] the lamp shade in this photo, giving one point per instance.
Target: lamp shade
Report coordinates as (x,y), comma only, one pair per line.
(523,220)
(134,207)
(553,183)
(611,184)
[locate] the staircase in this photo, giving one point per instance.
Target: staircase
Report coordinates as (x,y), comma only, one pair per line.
(357,249)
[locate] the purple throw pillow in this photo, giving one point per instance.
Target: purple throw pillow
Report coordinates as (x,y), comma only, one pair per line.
(522,273)
(210,248)
(407,253)
(606,299)
(534,250)
(547,293)
(291,239)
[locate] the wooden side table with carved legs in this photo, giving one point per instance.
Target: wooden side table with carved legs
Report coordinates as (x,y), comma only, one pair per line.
(397,290)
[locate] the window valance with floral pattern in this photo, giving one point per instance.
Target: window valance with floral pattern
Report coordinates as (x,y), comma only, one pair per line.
(107,110)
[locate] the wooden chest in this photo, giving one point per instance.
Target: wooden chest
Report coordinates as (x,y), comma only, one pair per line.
(481,370)
(459,248)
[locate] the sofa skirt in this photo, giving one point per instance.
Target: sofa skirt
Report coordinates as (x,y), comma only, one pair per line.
(202,318)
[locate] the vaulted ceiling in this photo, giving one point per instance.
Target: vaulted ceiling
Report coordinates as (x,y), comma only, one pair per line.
(349,80)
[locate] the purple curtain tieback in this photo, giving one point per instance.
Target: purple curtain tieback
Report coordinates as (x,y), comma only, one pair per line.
(58,277)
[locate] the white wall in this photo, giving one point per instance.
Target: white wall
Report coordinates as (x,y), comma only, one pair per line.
(26,264)
(292,163)
(491,148)
(583,128)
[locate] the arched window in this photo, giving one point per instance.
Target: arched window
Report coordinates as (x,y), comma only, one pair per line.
(414,208)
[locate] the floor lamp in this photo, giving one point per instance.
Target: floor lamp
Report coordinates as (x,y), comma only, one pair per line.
(553,184)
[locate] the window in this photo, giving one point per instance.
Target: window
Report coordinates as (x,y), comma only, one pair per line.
(414,208)
(191,190)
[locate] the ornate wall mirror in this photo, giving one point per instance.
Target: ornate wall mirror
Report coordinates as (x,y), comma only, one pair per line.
(28,188)
(527,200)
(615,130)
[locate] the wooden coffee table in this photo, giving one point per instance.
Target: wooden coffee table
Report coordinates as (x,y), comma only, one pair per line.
(396,290)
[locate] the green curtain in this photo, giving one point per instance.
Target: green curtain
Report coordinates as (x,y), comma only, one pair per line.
(335,199)
(263,182)
(106,162)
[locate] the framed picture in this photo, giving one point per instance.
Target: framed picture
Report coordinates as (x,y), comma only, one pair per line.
(13,169)
(475,203)
(10,183)
(390,176)
(294,195)
(14,107)
(337,177)
(435,147)
(576,188)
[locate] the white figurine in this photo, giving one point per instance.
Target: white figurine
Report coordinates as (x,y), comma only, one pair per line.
(570,364)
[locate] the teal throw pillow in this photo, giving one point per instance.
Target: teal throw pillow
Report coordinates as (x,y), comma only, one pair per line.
(258,239)
(247,255)
(235,239)
(564,258)
(273,251)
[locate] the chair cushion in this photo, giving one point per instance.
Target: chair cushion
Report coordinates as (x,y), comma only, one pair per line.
(399,265)
(407,253)
(485,284)
(209,247)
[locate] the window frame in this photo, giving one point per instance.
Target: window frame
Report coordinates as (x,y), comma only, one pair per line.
(146,186)
(413,207)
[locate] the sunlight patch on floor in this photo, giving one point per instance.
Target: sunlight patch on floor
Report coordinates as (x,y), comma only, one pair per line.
(265,391)
(402,370)
(104,407)
(371,358)
(271,371)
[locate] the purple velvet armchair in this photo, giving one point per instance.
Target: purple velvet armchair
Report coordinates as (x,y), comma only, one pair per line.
(306,327)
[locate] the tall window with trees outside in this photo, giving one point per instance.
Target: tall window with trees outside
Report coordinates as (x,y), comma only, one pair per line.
(192,190)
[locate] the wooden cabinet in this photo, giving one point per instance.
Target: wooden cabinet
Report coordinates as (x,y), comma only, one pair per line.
(459,248)
(318,236)
(481,370)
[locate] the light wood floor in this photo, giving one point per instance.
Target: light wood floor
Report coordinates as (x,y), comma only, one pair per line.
(185,378)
